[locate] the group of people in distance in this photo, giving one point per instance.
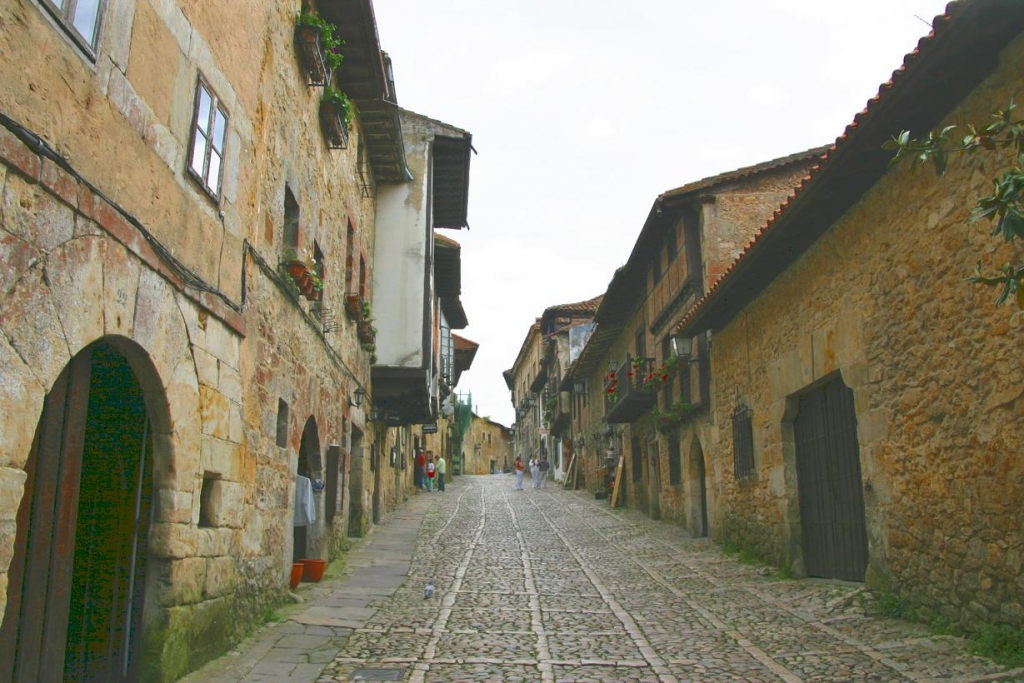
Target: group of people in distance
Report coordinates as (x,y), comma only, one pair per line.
(429,470)
(538,471)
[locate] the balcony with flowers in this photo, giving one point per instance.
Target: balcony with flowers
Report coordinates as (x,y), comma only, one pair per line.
(629,389)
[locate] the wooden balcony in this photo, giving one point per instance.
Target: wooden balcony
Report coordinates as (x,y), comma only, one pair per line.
(625,397)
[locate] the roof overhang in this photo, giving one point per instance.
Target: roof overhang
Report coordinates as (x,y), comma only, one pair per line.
(465,352)
(448,280)
(451,180)
(365,76)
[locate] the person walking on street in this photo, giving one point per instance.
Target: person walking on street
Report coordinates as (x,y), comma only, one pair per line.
(519,473)
(431,470)
(543,466)
(441,466)
(535,471)
(421,469)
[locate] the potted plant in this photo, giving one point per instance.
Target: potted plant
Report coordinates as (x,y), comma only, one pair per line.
(367,332)
(353,307)
(667,420)
(335,115)
(319,46)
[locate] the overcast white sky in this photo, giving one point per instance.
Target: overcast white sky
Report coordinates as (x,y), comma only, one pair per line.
(584,111)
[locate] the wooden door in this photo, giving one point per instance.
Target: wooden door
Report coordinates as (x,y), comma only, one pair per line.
(829,484)
(76,581)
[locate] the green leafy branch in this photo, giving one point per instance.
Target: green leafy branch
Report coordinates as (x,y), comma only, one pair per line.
(339,98)
(328,38)
(1004,207)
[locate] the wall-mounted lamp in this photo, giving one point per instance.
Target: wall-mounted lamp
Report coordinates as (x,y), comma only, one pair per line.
(357,397)
(375,414)
(580,386)
(682,347)
(581,441)
(613,365)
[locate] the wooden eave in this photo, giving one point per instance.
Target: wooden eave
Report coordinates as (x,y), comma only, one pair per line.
(451,181)
(363,77)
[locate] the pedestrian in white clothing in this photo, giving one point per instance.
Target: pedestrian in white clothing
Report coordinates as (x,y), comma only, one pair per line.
(535,471)
(519,473)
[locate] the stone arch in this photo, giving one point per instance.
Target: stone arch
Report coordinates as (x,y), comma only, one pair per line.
(696,474)
(85,289)
(307,538)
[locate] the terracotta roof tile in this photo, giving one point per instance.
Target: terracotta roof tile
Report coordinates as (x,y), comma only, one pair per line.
(877,106)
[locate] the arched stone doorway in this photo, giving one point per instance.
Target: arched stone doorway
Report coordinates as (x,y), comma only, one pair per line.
(77,579)
(306,539)
(697,492)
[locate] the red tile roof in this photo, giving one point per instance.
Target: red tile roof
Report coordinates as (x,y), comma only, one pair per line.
(946,65)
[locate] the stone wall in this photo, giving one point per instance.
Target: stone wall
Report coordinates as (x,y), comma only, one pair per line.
(937,383)
(189,286)
(484,442)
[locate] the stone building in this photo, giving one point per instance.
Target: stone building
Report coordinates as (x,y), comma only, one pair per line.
(528,430)
(164,376)
(486,447)
(867,416)
(628,370)
(565,328)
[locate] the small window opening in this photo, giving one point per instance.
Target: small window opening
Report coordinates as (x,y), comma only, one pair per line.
(209,500)
(282,424)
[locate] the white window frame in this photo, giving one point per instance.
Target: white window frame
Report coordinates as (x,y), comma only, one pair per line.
(66,13)
(208,175)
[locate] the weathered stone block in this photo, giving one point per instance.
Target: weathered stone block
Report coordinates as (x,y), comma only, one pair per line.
(214,542)
(220,576)
(174,506)
(12,487)
(213,410)
(35,215)
(181,582)
(221,457)
(75,273)
(230,383)
(14,152)
(21,403)
(223,343)
(172,541)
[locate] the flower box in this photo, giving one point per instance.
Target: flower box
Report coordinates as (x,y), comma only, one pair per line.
(367,335)
(309,45)
(353,307)
(333,117)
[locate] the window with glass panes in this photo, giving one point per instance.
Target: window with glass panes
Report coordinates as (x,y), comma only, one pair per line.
(80,18)
(209,128)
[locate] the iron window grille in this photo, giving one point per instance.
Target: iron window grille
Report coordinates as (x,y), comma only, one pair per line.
(209,130)
(742,442)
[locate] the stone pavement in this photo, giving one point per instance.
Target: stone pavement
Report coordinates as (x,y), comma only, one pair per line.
(549,585)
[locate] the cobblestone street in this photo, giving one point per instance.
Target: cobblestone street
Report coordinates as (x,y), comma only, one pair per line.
(548,585)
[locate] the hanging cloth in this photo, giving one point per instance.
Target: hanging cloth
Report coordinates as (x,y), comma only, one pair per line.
(305,509)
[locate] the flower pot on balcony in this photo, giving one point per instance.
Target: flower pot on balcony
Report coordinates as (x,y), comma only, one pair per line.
(367,335)
(296,576)
(313,570)
(296,268)
(353,307)
(309,45)
(333,120)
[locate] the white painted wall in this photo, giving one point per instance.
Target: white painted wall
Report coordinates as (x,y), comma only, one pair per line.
(402,253)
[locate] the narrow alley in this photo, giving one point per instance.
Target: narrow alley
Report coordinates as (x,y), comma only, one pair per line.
(552,585)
